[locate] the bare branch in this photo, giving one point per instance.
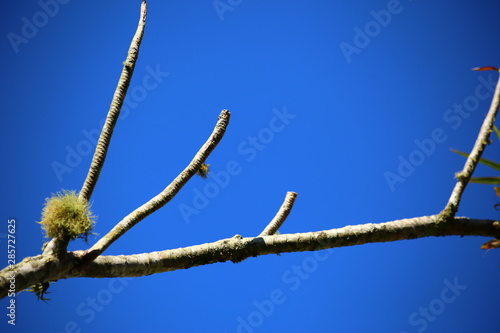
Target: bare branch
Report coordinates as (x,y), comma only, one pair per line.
(463,177)
(237,249)
(34,270)
(166,195)
(114,110)
(281,215)
(56,263)
(45,268)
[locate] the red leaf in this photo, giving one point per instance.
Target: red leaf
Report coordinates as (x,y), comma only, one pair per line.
(487,68)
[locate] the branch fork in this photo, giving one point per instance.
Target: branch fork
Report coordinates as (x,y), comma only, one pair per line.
(55,264)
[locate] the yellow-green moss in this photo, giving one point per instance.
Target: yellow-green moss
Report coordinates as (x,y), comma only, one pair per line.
(66,217)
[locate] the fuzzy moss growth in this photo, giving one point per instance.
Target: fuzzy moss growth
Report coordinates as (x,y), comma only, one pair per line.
(66,217)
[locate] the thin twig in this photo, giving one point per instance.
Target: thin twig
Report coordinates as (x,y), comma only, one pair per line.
(463,177)
(114,110)
(55,244)
(281,215)
(164,196)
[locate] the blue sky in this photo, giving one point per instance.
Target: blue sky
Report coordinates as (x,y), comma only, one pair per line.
(354,106)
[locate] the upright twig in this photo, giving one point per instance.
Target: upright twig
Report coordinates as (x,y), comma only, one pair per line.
(463,177)
(164,196)
(281,215)
(114,110)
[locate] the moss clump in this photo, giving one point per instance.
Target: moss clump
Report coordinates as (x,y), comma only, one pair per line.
(66,217)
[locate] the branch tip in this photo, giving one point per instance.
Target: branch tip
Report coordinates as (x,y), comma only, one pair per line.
(104,140)
(280,216)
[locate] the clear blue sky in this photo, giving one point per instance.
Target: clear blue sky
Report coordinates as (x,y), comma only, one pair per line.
(352,105)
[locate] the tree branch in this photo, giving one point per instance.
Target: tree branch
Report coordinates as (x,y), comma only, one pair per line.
(281,215)
(44,268)
(114,110)
(164,196)
(54,264)
(463,177)
(237,249)
(34,270)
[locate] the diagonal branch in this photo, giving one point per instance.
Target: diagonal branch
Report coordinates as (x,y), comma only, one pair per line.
(166,195)
(463,177)
(114,110)
(281,215)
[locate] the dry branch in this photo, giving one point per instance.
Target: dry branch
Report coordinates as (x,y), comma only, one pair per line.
(281,215)
(58,246)
(463,177)
(46,268)
(237,249)
(90,263)
(114,111)
(164,196)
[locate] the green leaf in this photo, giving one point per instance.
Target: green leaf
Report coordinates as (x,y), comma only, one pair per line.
(497,132)
(486,162)
(486,180)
